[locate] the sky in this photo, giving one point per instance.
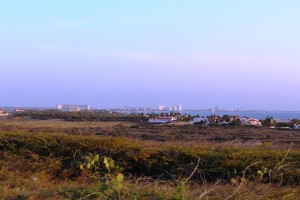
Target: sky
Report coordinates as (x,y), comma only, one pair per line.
(198,53)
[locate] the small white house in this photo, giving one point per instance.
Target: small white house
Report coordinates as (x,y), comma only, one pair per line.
(199,120)
(19,110)
(282,120)
(162,120)
(250,122)
(3,113)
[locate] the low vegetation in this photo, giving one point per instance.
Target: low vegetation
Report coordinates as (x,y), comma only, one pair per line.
(58,159)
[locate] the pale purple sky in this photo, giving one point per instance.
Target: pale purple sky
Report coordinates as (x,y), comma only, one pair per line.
(201,54)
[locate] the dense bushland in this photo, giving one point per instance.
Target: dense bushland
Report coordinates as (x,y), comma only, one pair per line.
(216,162)
(42,166)
(81,116)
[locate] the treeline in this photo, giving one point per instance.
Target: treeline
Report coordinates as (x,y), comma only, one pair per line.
(82,116)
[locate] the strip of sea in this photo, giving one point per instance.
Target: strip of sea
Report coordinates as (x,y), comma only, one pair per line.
(252,114)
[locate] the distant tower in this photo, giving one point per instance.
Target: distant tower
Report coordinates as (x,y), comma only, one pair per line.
(59,107)
(176,108)
(180,108)
(161,107)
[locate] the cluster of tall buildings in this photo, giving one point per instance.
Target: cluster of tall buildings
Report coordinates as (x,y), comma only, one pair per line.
(177,107)
(78,108)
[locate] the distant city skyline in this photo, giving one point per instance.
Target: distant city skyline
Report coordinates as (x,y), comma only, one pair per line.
(160,107)
(234,54)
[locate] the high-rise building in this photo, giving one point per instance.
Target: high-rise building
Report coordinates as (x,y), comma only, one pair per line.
(161,107)
(175,108)
(180,107)
(59,107)
(73,108)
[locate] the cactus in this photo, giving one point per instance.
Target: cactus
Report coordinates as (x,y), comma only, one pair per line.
(106,162)
(96,158)
(102,169)
(94,166)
